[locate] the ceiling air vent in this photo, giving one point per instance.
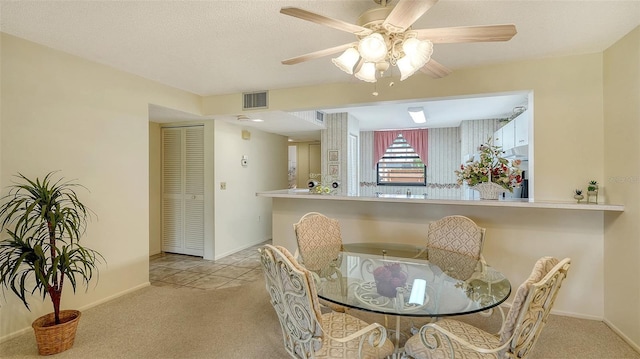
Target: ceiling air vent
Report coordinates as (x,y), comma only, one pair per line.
(254,100)
(320,116)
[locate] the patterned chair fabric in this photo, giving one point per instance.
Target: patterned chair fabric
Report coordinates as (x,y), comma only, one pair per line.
(308,333)
(450,338)
(456,234)
(319,246)
(455,265)
(319,241)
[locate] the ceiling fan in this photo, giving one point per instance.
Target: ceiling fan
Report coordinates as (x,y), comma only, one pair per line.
(385,38)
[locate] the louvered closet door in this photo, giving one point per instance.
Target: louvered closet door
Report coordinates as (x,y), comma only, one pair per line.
(183,190)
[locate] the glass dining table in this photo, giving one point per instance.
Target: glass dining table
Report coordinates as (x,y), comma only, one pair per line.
(405,280)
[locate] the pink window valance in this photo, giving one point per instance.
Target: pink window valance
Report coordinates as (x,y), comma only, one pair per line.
(417,139)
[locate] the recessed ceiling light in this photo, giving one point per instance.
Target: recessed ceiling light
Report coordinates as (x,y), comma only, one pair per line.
(417,114)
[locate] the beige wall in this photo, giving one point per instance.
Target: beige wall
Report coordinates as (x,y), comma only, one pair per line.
(242,219)
(90,122)
(622,184)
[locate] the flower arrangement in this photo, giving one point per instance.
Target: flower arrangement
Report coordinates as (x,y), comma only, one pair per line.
(388,277)
(491,167)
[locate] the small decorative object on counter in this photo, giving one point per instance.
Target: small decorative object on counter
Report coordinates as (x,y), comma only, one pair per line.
(592,192)
(578,195)
(491,174)
(389,277)
(322,184)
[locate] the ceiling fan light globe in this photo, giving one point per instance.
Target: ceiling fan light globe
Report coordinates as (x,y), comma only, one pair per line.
(406,67)
(367,72)
(410,46)
(419,52)
(373,48)
(347,60)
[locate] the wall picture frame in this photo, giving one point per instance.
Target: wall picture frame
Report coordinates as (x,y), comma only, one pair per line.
(333,155)
(334,170)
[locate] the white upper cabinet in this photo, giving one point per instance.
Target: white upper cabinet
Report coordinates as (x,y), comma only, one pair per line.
(515,133)
(508,136)
(522,128)
(497,137)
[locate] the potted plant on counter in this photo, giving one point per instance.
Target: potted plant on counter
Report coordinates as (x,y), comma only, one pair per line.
(45,220)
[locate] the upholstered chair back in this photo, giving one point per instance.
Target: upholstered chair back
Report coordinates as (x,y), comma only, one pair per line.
(319,240)
(456,234)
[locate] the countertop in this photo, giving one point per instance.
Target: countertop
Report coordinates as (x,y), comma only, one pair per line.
(516,203)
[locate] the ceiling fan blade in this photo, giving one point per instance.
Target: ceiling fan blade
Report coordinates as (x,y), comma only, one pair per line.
(446,35)
(317,54)
(323,20)
(406,13)
(435,69)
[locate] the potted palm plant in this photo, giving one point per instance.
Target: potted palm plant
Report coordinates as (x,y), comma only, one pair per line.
(44,220)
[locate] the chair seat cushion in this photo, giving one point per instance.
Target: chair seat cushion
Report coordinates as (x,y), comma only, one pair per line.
(340,325)
(478,337)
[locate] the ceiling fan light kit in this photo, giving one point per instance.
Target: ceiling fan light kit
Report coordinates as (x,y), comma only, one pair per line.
(385,38)
(347,60)
(372,48)
(367,72)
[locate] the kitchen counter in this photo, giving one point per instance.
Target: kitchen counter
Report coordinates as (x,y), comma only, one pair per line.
(401,198)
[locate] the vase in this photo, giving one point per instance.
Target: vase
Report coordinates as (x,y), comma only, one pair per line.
(579,197)
(489,190)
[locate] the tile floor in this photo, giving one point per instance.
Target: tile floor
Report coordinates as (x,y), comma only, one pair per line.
(177,270)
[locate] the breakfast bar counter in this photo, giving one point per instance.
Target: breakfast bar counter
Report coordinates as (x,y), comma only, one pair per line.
(518,233)
(401,198)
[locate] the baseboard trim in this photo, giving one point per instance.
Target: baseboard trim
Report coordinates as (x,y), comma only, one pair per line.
(239,249)
(16,334)
(576,315)
(565,314)
(114,296)
(84,307)
(622,335)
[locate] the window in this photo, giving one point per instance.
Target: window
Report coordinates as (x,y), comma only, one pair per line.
(401,165)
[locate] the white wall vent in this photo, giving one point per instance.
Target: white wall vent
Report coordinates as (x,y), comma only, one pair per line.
(254,100)
(320,116)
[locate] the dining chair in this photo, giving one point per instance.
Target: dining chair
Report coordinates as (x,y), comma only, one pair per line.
(456,234)
(307,332)
(449,338)
(454,243)
(319,245)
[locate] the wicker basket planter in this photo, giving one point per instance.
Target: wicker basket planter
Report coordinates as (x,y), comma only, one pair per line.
(52,338)
(489,190)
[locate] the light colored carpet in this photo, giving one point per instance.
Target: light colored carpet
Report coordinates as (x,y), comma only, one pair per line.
(239,322)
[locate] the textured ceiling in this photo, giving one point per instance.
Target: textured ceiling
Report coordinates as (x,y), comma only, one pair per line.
(218,47)
(221,47)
